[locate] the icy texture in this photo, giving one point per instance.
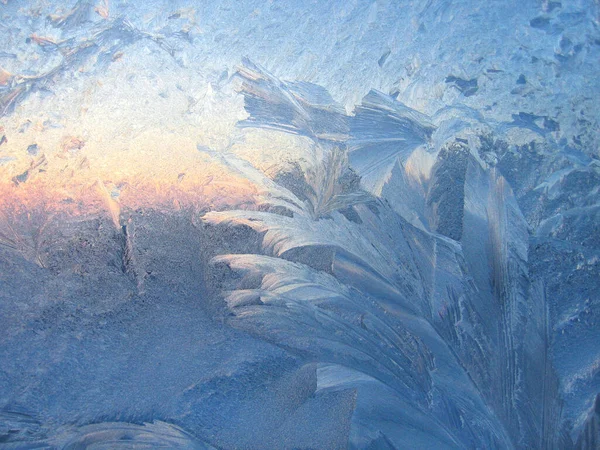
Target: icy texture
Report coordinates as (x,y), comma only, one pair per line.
(299,225)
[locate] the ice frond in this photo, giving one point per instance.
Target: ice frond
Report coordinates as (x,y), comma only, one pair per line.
(316,316)
(121,435)
(269,192)
(327,184)
(298,108)
(328,192)
(293,297)
(384,130)
(379,132)
(282,234)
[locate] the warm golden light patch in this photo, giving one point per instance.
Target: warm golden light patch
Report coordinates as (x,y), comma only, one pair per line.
(5,77)
(118,140)
(158,171)
(103,9)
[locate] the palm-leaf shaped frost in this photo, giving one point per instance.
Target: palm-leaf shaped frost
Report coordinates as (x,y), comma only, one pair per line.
(396,315)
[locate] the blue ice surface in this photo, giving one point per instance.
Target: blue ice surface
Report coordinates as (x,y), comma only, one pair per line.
(437,286)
